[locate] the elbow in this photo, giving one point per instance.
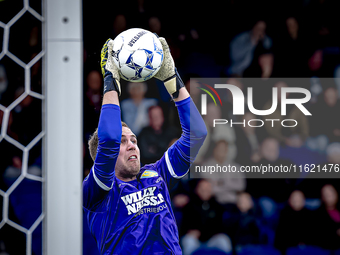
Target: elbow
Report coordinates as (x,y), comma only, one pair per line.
(109,139)
(204,132)
(200,132)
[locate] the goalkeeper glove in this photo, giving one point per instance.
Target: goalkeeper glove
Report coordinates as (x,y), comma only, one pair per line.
(109,69)
(168,72)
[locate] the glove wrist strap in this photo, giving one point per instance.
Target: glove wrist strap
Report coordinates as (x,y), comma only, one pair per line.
(111,84)
(173,84)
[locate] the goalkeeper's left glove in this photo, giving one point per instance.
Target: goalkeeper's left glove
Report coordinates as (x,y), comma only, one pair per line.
(168,72)
(109,69)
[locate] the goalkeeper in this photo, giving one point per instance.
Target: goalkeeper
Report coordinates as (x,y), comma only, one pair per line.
(128,208)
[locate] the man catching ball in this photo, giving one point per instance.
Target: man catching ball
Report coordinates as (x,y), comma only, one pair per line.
(128,208)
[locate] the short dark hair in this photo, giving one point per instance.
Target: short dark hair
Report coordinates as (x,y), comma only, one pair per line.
(151,108)
(93,142)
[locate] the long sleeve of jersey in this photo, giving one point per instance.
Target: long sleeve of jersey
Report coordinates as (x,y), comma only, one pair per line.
(102,173)
(183,152)
(109,136)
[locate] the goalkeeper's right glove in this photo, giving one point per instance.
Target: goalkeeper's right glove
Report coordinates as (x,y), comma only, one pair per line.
(109,68)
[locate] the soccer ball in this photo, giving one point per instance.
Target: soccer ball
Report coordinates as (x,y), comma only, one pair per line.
(138,54)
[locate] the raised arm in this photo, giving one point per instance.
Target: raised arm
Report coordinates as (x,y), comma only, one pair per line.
(177,159)
(109,137)
(100,179)
(183,152)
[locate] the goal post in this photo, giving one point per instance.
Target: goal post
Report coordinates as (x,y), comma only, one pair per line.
(63,146)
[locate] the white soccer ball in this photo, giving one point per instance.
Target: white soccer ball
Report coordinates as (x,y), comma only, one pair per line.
(138,53)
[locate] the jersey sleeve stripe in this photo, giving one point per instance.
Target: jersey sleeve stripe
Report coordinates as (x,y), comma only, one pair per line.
(171,170)
(100,184)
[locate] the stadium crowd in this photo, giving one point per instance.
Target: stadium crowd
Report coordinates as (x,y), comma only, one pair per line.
(237,40)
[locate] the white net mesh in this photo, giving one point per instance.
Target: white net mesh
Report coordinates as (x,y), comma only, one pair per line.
(21,102)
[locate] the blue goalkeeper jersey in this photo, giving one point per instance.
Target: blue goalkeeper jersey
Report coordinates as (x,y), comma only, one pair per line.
(135,217)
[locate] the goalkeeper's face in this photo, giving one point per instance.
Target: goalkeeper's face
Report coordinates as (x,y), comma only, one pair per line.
(128,161)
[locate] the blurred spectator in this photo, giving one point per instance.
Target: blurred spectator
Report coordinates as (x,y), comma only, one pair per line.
(13,171)
(312,186)
(290,52)
(11,78)
(9,130)
(261,66)
(243,224)
(315,61)
(119,25)
(135,108)
(180,198)
(93,92)
(242,47)
(324,126)
(266,63)
(24,206)
(227,184)
(154,140)
(202,221)
(247,142)
(295,224)
(276,185)
(216,133)
(92,106)
(322,62)
(155,25)
(7,152)
(284,134)
(320,19)
(327,225)
(333,153)
(92,101)
(30,33)
(292,28)
(27,114)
